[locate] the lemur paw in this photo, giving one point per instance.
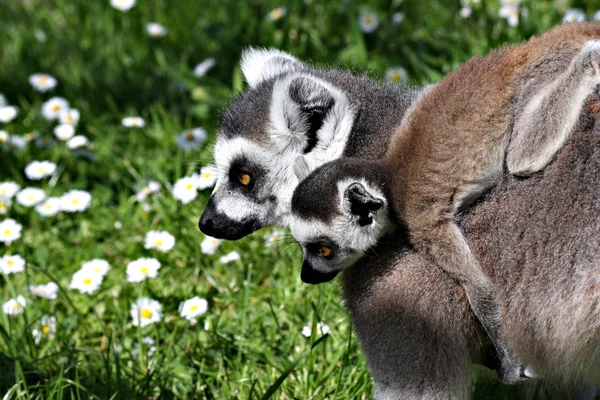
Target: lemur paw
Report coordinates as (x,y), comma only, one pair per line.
(513,374)
(587,61)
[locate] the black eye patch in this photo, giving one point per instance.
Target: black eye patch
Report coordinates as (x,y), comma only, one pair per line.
(245,175)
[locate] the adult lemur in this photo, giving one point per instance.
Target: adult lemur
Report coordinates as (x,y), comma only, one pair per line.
(451,147)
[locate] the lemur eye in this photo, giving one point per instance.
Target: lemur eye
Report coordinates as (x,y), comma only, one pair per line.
(244,178)
(325,251)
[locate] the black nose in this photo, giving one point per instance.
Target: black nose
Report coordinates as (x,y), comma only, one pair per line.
(206,223)
(314,277)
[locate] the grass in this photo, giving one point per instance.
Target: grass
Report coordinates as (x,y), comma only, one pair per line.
(248,345)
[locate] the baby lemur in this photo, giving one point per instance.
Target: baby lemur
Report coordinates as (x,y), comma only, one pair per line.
(518,104)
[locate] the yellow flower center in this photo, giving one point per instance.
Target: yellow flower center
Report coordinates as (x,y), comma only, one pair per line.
(42,170)
(43,79)
(146,313)
(193,308)
(47,206)
(6,232)
(206,175)
(56,108)
(189,186)
(75,201)
(31,197)
(2,206)
(158,243)
(10,262)
(46,329)
(16,307)
(3,191)
(396,77)
(189,136)
(144,270)
(87,281)
(368,20)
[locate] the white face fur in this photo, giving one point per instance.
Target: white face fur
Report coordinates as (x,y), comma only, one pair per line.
(345,235)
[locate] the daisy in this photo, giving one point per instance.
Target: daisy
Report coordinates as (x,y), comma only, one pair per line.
(511,12)
(193,307)
(574,15)
(322,329)
(14,306)
(207,177)
(185,189)
(42,82)
(397,18)
(52,108)
(209,245)
(9,189)
(368,22)
(86,281)
(274,238)
(277,13)
(12,264)
(31,136)
(8,113)
(17,142)
(30,196)
(4,204)
(142,269)
(156,30)
(76,142)
(230,257)
(47,291)
(4,137)
(145,311)
(149,342)
(191,138)
(47,329)
(122,5)
(396,75)
(37,170)
(159,240)
(202,68)
(145,191)
(10,231)
(465,12)
(75,200)
(130,122)
(49,207)
(64,131)
(595,17)
(70,116)
(96,266)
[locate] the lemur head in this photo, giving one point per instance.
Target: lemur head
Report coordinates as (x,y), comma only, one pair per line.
(338,213)
(288,116)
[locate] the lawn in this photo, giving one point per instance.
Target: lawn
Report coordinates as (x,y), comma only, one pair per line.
(136,303)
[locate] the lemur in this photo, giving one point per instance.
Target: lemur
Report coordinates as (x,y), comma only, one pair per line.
(518,104)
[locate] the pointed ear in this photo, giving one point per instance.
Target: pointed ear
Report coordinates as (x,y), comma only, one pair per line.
(301,168)
(359,202)
(259,65)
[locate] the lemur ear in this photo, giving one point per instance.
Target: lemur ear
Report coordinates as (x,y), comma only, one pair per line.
(301,168)
(359,202)
(259,65)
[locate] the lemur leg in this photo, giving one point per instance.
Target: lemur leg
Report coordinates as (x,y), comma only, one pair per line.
(548,118)
(443,241)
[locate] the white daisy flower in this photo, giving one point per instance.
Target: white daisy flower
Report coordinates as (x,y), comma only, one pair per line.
(230,257)
(70,116)
(10,231)
(37,170)
(397,18)
(368,22)
(159,240)
(207,177)
(42,82)
(465,12)
(12,264)
(122,5)
(202,68)
(193,307)
(510,12)
(595,17)
(86,281)
(185,189)
(4,205)
(96,266)
(9,189)
(4,136)
(30,196)
(191,138)
(49,207)
(130,122)
(145,311)
(3,101)
(45,291)
(76,142)
(47,329)
(209,245)
(277,13)
(75,200)
(145,191)
(64,131)
(322,329)
(574,15)
(274,238)
(31,136)
(148,342)
(142,269)
(396,75)
(17,142)
(156,30)
(8,113)
(14,306)
(52,108)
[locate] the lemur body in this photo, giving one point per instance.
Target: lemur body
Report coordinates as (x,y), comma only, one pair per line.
(452,145)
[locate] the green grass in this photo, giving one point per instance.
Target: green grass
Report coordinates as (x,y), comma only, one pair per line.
(249,343)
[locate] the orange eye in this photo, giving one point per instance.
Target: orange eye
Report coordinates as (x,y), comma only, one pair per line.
(325,251)
(244,178)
